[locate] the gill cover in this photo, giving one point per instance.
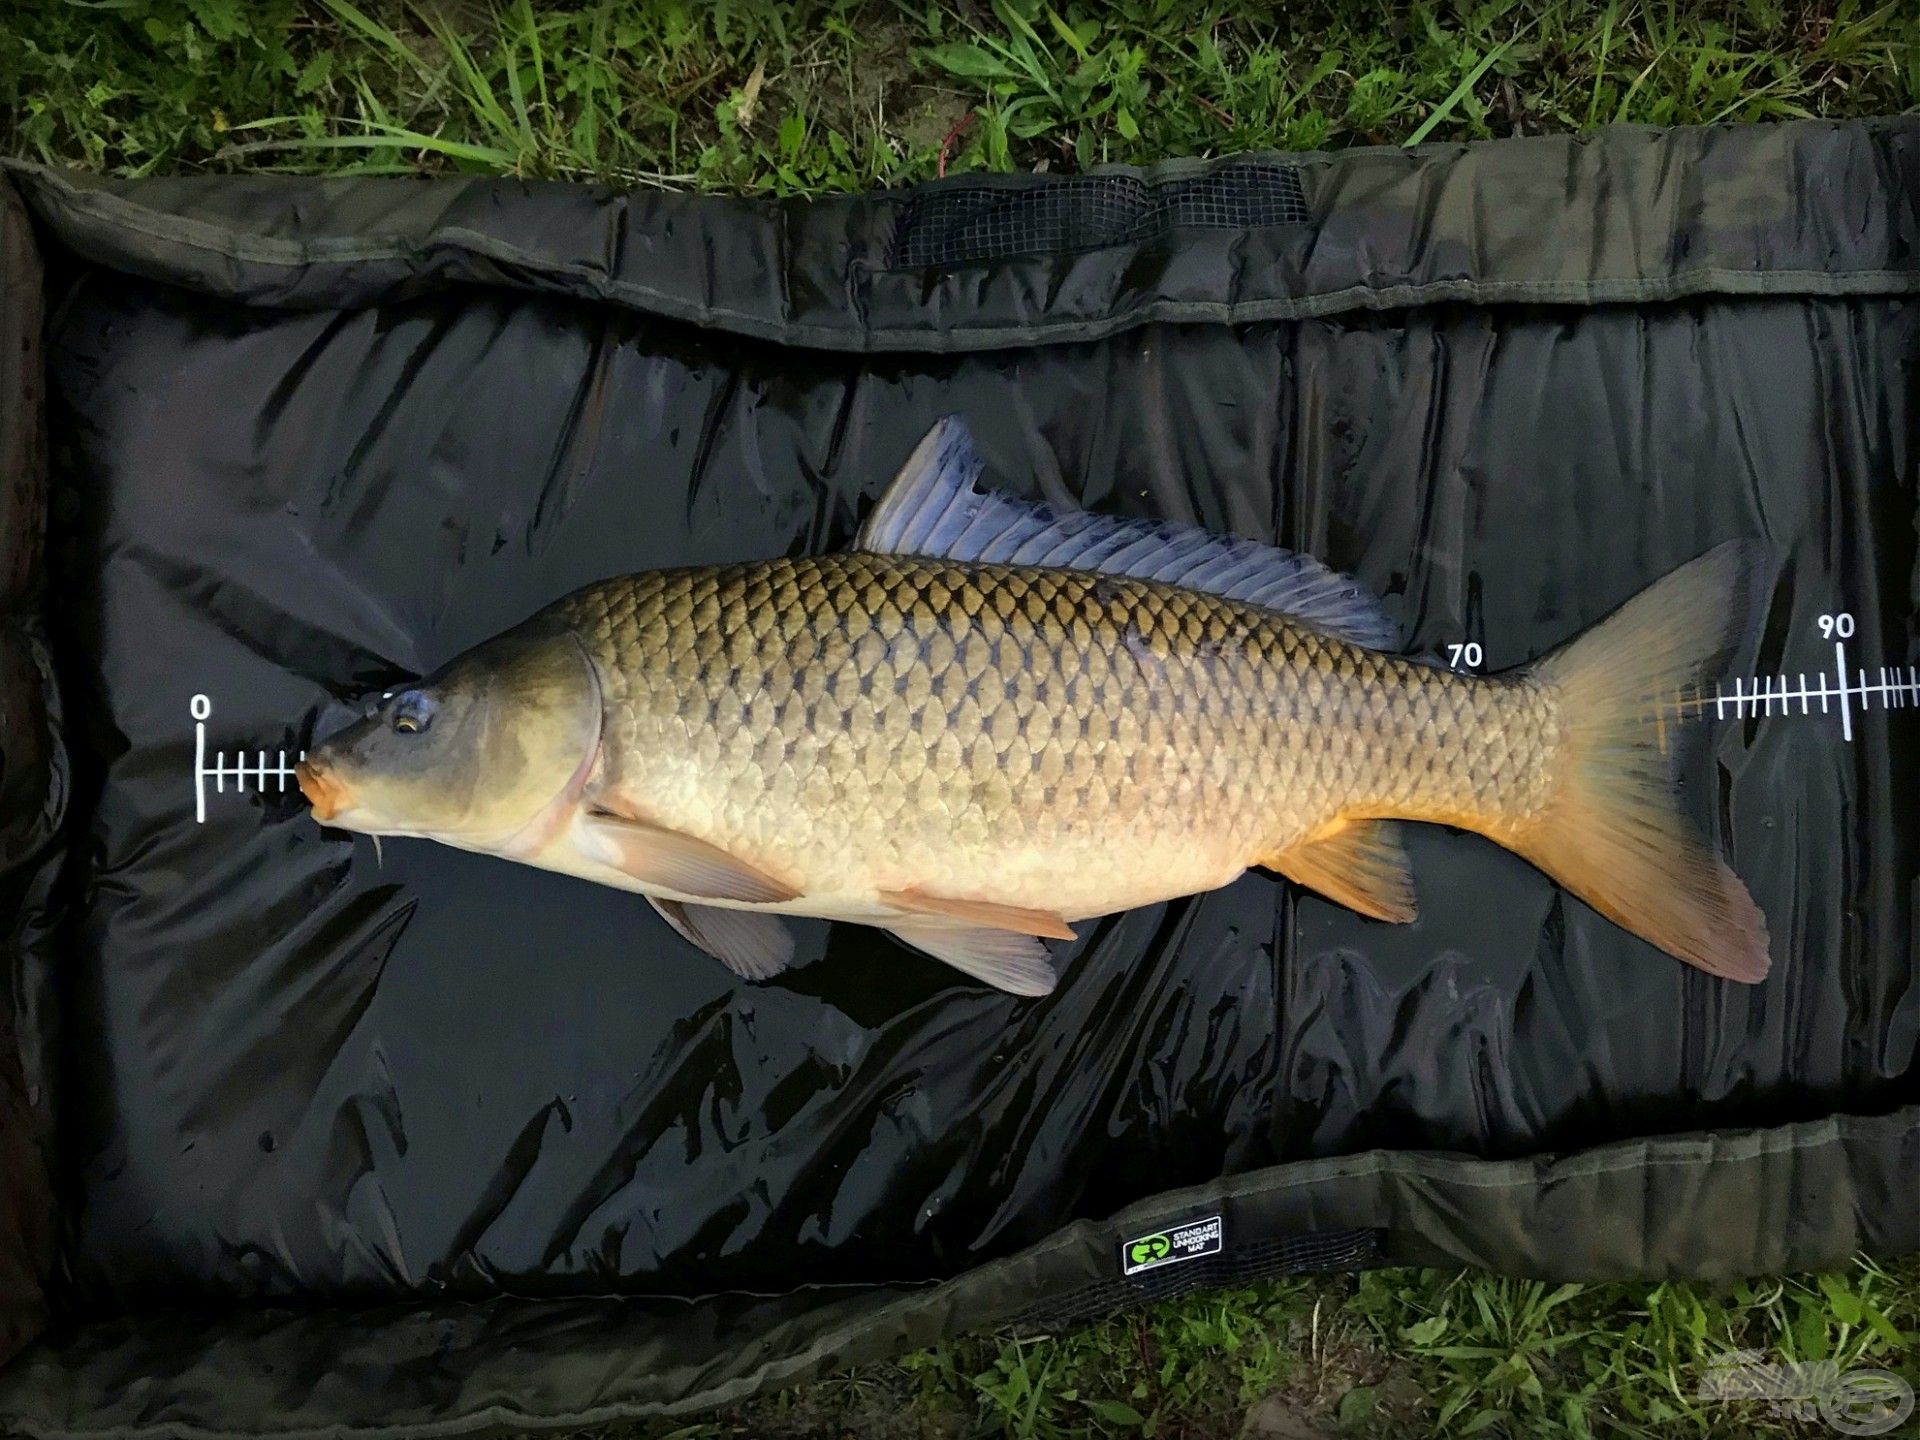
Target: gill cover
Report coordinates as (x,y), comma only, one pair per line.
(475,753)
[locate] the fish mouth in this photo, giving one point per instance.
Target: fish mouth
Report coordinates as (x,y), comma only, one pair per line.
(326,794)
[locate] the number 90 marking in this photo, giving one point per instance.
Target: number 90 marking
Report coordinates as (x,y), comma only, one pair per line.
(1838,626)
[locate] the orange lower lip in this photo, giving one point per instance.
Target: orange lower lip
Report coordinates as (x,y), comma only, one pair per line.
(324,793)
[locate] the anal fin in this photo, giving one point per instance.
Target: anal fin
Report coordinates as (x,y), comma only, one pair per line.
(1363,865)
(752,945)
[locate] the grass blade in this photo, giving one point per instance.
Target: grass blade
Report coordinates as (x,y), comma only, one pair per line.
(357,19)
(396,138)
(477,89)
(1460,92)
(1607,22)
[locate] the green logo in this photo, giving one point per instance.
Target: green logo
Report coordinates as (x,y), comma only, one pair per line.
(1168,1247)
(1148,1250)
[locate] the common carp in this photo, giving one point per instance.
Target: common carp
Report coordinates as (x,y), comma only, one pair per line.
(991,719)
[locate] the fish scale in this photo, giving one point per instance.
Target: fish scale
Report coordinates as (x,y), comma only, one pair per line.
(1058,739)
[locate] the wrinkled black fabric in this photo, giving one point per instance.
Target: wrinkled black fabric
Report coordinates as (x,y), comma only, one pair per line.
(1628,214)
(308,1075)
(432,1146)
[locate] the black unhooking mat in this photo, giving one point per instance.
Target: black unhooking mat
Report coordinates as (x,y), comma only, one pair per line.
(297,1141)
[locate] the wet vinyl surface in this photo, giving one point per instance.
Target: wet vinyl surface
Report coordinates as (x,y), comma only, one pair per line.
(300,1071)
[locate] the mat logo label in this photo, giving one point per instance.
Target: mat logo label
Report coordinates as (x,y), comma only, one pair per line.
(1170,1247)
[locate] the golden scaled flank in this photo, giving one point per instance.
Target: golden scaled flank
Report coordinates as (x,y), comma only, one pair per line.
(849,705)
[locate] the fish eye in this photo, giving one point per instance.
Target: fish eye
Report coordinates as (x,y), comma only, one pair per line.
(413,713)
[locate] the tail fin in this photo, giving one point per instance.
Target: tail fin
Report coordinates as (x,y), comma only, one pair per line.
(1614,833)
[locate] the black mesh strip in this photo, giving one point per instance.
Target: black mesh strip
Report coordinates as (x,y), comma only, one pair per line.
(1236,1268)
(962,224)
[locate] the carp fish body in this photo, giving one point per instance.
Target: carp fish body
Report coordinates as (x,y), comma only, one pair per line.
(991,719)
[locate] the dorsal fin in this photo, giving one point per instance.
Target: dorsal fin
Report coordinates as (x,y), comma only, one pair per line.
(935,507)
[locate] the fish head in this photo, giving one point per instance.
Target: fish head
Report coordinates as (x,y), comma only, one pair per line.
(473,754)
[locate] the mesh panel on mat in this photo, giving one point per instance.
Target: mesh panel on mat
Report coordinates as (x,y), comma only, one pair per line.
(962,223)
(1235,1268)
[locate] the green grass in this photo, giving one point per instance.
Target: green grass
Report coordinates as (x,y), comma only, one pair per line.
(1386,1353)
(825,95)
(822,95)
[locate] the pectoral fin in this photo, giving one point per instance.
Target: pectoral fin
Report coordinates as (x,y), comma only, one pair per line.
(674,861)
(984,913)
(1018,964)
(751,945)
(1362,865)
